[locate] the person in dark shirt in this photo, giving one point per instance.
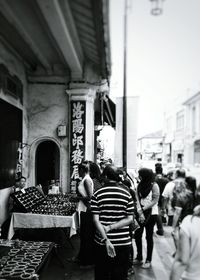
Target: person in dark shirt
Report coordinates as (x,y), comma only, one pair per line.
(95,174)
(161,181)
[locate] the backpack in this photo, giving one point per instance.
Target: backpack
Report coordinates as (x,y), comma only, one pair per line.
(179,192)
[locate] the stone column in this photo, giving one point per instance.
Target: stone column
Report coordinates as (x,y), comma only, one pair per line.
(81,131)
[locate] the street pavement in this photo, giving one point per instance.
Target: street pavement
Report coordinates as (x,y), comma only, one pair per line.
(60,268)
(162,258)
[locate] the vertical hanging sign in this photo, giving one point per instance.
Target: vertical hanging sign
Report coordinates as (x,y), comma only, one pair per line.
(77,141)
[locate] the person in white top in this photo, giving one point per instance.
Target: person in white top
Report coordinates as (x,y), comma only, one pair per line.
(85,192)
(85,187)
(186,264)
(168,195)
(147,207)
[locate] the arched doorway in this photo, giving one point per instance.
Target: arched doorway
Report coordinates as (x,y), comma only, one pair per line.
(47,164)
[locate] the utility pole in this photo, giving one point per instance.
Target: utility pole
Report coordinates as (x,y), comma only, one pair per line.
(124,134)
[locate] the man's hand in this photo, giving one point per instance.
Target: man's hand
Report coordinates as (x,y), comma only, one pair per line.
(141,215)
(107,228)
(141,218)
(163,212)
(110,249)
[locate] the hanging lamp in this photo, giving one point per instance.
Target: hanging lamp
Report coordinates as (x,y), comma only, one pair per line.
(157,7)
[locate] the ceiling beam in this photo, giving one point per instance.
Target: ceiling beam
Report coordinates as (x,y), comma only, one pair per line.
(102,34)
(17,23)
(61,24)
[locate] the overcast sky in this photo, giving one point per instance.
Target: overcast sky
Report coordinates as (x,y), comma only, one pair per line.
(163,55)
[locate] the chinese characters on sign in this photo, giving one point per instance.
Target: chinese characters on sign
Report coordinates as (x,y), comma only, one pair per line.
(19,160)
(77,141)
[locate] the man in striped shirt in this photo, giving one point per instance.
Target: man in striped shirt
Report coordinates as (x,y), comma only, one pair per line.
(112,208)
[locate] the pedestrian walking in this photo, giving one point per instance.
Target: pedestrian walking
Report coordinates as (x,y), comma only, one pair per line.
(161,181)
(148,196)
(183,202)
(186,264)
(167,194)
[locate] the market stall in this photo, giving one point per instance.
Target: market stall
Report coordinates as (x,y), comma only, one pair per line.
(29,220)
(43,212)
(23,260)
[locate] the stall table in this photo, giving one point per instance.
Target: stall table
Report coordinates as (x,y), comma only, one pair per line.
(42,221)
(23,260)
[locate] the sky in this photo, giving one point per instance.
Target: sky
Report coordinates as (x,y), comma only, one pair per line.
(163,56)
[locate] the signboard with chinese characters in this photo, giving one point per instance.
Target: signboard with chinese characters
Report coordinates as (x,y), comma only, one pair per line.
(77,141)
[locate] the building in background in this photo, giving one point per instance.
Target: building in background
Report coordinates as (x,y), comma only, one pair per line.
(174,132)
(54,65)
(192,130)
(131,131)
(150,146)
(182,131)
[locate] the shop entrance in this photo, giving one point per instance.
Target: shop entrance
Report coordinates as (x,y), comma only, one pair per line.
(10,138)
(47,164)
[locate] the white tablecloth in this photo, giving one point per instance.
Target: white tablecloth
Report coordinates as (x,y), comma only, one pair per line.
(29,220)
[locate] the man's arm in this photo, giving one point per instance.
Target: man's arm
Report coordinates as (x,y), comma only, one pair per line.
(122,223)
(165,197)
(176,217)
(182,257)
(109,246)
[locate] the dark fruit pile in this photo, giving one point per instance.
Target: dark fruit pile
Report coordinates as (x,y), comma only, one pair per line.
(61,205)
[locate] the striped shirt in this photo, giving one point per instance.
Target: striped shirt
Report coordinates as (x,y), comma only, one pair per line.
(112,203)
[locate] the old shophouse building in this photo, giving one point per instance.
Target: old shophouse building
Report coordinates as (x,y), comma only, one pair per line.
(174,133)
(54,81)
(182,131)
(150,146)
(192,130)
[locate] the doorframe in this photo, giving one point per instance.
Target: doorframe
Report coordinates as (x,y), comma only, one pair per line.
(33,149)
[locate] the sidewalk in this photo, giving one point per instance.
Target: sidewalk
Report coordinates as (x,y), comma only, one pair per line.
(162,258)
(161,263)
(60,268)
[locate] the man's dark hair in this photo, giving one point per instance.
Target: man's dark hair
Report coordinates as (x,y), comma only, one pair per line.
(94,171)
(159,169)
(84,166)
(180,173)
(158,164)
(111,172)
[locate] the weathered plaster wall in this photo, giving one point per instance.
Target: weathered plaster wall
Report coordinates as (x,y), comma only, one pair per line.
(47,109)
(15,67)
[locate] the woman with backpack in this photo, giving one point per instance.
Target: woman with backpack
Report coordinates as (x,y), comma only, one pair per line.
(183,202)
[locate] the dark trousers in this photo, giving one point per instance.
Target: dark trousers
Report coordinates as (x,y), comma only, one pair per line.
(107,268)
(86,252)
(159,222)
(149,226)
(170,220)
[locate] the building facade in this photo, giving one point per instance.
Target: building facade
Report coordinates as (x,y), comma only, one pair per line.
(54,66)
(150,146)
(174,132)
(182,131)
(192,131)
